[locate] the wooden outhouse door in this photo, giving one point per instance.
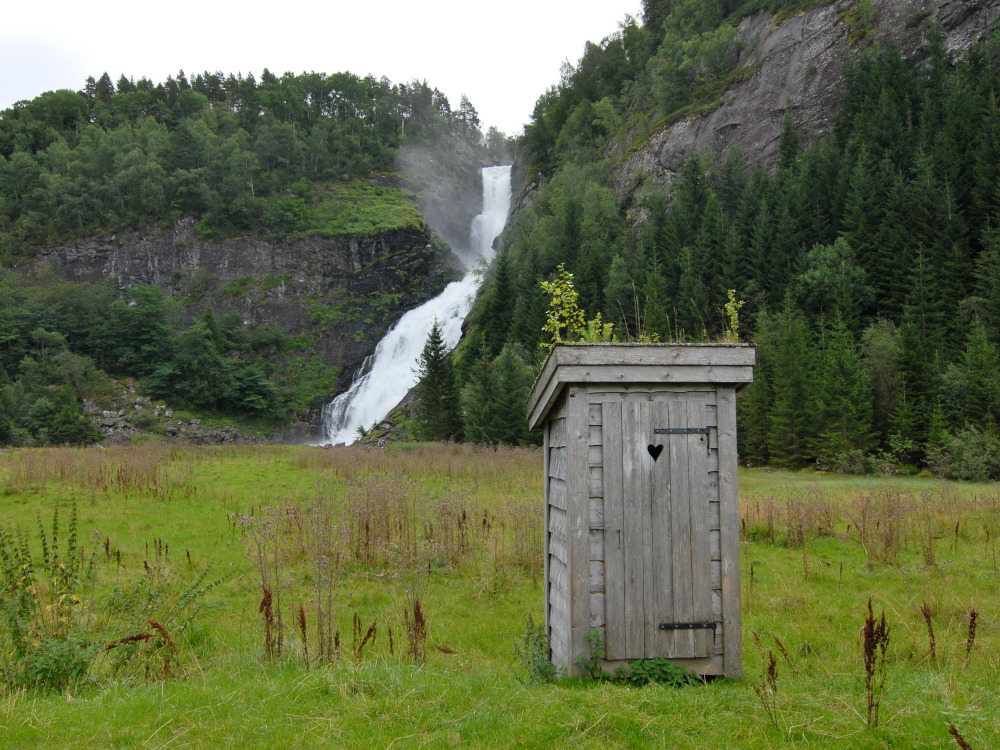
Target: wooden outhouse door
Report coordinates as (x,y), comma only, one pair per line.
(658,594)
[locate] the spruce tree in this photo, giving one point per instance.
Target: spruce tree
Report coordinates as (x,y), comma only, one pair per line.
(710,249)
(514,379)
(69,422)
(621,298)
(863,211)
(479,400)
(654,305)
(691,195)
(757,403)
(692,300)
(879,358)
(988,277)
(791,423)
(496,398)
(438,411)
(498,311)
(788,144)
(843,402)
(980,364)
(914,392)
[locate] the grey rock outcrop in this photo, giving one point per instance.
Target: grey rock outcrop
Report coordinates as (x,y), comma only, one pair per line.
(798,67)
(135,417)
(345,292)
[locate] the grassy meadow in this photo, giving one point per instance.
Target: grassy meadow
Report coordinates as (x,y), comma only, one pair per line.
(270,596)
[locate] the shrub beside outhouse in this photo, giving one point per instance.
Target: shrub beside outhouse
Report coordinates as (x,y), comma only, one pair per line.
(641,502)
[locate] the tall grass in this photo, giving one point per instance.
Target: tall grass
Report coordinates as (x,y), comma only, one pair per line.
(134,471)
(353,539)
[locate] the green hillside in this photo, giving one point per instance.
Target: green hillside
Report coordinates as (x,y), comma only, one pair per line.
(282,159)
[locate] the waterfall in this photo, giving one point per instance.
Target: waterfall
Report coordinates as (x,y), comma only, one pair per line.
(387,375)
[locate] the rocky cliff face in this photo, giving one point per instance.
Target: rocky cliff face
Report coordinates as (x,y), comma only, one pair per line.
(345,292)
(799,68)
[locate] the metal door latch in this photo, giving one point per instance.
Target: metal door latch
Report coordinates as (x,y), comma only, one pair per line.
(680,431)
(687,626)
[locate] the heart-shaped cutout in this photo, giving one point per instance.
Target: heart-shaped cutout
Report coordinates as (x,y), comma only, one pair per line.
(655,450)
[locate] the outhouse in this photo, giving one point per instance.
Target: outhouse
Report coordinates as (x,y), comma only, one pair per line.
(641,502)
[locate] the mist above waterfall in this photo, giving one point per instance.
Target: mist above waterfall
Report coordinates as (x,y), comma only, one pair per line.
(389,373)
(446,183)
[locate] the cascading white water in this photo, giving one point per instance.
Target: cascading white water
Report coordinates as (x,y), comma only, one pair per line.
(388,374)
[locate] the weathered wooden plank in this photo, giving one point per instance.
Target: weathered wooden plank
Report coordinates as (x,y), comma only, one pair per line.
(595,455)
(557,493)
(701,573)
(712,464)
(602,393)
(558,574)
(545,395)
(645,355)
(594,412)
(560,646)
(713,514)
(597,610)
(645,459)
(578,508)
(594,436)
(558,549)
(558,410)
(545,522)
(559,642)
(624,374)
(662,537)
(558,522)
(614,558)
(596,544)
(716,575)
(559,639)
(713,439)
(558,609)
(729,542)
(717,606)
(712,411)
(558,458)
(595,481)
(632,470)
(560,652)
(596,576)
(713,486)
(556,639)
(557,433)
(715,545)
(596,513)
(680,531)
(559,605)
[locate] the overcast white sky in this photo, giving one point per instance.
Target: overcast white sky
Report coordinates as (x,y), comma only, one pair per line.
(501,55)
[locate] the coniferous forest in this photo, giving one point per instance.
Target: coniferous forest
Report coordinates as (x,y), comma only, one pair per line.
(868,260)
